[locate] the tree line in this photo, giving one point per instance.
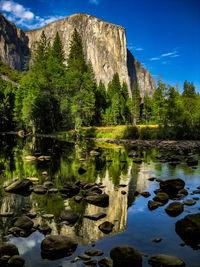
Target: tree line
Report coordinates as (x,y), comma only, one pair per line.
(55,96)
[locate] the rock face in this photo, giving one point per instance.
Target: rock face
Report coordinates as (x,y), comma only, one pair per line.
(13,45)
(104,46)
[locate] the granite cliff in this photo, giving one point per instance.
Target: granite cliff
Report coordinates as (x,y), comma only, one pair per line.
(104,46)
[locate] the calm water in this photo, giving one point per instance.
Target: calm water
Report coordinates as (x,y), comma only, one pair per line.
(134,224)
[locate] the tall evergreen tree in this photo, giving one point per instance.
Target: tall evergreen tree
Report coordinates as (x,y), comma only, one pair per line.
(136,101)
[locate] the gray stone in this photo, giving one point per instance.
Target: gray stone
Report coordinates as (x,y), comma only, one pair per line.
(188,229)
(94,252)
(99,200)
(105,262)
(106,227)
(162,260)
(57,246)
(84,257)
(174,209)
(161,197)
(189,202)
(24,222)
(95,217)
(16,261)
(40,189)
(172,186)
(69,216)
(8,249)
(152,205)
(20,187)
(126,256)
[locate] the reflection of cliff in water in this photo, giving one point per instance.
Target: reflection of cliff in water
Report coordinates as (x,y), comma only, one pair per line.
(15,204)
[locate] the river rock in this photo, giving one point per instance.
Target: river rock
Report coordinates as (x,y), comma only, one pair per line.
(99,200)
(92,191)
(183,192)
(48,216)
(53,191)
(95,217)
(189,202)
(91,263)
(16,261)
(145,194)
(70,190)
(152,205)
(162,260)
(69,216)
(47,184)
(8,249)
(161,197)
(106,227)
(20,187)
(40,189)
(191,161)
(133,154)
(174,209)
(57,246)
(94,252)
(82,170)
(126,256)
(44,228)
(105,262)
(78,199)
(172,186)
(24,223)
(188,229)
(84,257)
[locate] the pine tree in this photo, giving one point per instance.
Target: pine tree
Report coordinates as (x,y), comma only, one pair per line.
(57,49)
(136,101)
(76,58)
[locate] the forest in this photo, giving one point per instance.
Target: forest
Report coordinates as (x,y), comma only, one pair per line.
(54,96)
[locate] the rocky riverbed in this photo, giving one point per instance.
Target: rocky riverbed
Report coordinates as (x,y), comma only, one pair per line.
(103,206)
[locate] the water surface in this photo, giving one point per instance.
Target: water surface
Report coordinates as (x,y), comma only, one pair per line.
(134,223)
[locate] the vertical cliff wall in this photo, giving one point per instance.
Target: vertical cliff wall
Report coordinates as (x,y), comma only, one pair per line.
(104,46)
(13,45)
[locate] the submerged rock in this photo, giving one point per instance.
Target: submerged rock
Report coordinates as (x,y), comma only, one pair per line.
(105,262)
(174,209)
(126,256)
(188,229)
(95,217)
(8,249)
(94,252)
(162,260)
(152,205)
(161,197)
(82,170)
(189,202)
(20,187)
(98,200)
(145,194)
(24,223)
(69,216)
(172,186)
(57,246)
(16,261)
(40,189)
(106,227)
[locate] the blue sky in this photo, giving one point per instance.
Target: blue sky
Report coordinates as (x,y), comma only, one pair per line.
(164,35)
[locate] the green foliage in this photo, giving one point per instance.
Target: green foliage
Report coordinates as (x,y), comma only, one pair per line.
(12,74)
(136,102)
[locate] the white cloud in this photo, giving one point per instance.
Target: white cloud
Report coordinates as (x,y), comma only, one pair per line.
(169,54)
(23,17)
(94,2)
(17,10)
(175,56)
(154,58)
(139,49)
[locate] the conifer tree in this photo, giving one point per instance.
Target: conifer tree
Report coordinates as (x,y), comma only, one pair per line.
(136,101)
(57,49)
